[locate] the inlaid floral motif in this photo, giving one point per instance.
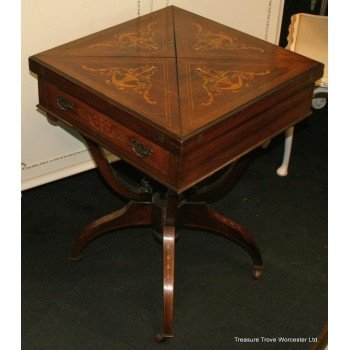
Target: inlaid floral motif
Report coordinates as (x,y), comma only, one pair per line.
(138,80)
(100,123)
(207,40)
(144,38)
(217,82)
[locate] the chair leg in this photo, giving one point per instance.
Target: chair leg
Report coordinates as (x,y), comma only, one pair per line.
(319,98)
(283,169)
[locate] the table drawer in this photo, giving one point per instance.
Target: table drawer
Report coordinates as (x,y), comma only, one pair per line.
(116,137)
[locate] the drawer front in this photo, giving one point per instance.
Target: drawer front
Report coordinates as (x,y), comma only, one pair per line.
(120,140)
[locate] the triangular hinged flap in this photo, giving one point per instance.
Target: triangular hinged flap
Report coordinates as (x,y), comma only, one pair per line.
(177,70)
(200,37)
(210,89)
(139,84)
(148,36)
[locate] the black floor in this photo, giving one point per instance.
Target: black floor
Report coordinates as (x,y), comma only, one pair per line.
(112,298)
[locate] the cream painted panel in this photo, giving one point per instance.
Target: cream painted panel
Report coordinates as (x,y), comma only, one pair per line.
(49,152)
(261,18)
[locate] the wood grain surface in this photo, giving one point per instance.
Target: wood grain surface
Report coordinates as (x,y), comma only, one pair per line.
(201,93)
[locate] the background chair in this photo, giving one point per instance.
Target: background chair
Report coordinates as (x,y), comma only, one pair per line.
(308,36)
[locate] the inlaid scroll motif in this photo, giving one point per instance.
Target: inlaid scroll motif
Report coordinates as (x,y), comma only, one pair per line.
(217,82)
(207,40)
(144,38)
(100,123)
(138,80)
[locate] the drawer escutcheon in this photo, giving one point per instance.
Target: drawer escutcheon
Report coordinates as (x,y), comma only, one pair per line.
(64,104)
(140,149)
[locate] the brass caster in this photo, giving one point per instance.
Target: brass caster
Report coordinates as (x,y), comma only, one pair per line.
(161,338)
(75,258)
(257,271)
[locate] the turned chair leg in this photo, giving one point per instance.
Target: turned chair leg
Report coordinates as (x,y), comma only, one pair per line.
(132,215)
(200,216)
(283,169)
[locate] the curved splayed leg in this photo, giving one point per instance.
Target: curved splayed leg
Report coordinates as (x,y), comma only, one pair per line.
(200,216)
(132,215)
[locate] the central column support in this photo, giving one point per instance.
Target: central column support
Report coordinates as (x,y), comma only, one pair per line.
(167,213)
(168,229)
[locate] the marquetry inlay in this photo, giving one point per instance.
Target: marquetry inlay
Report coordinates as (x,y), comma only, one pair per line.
(179,97)
(207,40)
(99,122)
(175,70)
(216,82)
(137,79)
(144,38)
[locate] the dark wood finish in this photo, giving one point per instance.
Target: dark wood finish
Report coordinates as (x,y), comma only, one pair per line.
(120,186)
(322,342)
(134,214)
(201,217)
(219,87)
(104,130)
(179,97)
(168,266)
(167,212)
(218,188)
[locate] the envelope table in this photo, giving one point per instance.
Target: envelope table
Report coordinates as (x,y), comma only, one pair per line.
(180,98)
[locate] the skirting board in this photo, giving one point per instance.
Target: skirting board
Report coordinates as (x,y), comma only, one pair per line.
(59,168)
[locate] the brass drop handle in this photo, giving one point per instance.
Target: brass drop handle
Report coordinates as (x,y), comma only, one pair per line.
(140,149)
(64,104)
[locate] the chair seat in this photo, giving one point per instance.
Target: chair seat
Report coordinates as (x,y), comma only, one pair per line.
(308,36)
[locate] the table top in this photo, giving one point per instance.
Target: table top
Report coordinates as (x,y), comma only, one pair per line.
(174,94)
(177,70)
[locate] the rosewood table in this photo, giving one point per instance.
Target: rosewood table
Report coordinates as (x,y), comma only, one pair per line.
(178,97)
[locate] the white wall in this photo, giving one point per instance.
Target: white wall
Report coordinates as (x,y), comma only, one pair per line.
(261,18)
(50,152)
